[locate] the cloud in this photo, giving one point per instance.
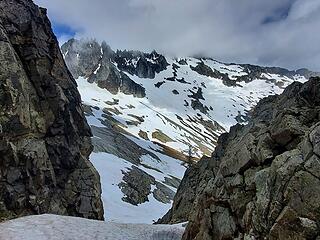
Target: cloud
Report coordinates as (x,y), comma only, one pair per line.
(279,33)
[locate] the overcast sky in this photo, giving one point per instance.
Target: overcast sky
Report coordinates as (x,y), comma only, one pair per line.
(267,32)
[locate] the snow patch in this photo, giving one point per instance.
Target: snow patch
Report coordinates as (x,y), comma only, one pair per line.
(110,169)
(53,227)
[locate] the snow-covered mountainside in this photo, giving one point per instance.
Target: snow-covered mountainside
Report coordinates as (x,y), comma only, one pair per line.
(151,114)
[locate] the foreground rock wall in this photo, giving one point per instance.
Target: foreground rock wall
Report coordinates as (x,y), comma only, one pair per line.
(263,180)
(44,138)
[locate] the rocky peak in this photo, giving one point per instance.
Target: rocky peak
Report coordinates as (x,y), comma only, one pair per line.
(96,63)
(262,181)
(143,65)
(84,57)
(44,137)
(81,56)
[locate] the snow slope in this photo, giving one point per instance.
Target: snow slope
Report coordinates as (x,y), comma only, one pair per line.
(168,107)
(52,227)
(110,168)
(165,111)
(188,101)
(226,101)
(156,109)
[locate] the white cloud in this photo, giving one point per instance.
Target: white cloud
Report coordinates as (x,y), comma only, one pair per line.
(281,33)
(304,9)
(63,38)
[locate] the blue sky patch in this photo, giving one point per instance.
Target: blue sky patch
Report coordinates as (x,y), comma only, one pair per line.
(62,30)
(278,15)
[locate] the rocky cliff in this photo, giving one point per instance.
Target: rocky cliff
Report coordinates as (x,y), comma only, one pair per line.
(44,138)
(101,65)
(262,181)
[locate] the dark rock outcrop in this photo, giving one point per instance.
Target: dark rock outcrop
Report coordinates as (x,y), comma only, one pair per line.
(207,71)
(196,104)
(109,69)
(44,137)
(81,57)
(262,181)
(143,65)
(95,62)
(137,186)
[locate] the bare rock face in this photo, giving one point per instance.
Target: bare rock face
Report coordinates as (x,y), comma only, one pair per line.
(44,137)
(143,65)
(95,62)
(263,180)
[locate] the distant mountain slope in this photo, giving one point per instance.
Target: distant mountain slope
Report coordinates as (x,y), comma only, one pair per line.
(148,111)
(200,97)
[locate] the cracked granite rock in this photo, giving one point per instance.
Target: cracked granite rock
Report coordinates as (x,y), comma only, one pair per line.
(262,181)
(44,137)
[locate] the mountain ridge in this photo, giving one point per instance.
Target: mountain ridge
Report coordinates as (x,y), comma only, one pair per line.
(118,55)
(152,115)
